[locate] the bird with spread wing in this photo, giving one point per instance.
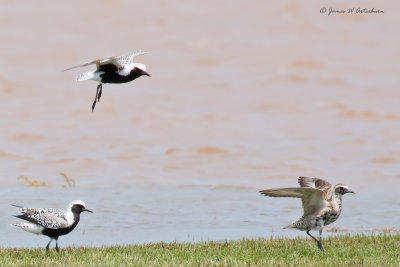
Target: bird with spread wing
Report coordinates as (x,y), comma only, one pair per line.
(322,203)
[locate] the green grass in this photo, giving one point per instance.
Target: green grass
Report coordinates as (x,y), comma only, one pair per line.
(379,250)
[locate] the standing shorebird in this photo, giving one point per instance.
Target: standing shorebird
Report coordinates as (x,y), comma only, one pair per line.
(119,69)
(322,203)
(51,222)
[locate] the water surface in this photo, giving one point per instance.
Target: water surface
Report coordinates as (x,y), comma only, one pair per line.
(242,98)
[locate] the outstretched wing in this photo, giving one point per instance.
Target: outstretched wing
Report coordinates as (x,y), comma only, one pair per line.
(313,182)
(128,58)
(312,198)
(48,218)
(118,61)
(99,62)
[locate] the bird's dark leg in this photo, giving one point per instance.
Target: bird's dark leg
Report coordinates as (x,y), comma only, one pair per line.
(319,243)
(58,250)
(100,92)
(95,98)
(320,240)
(47,247)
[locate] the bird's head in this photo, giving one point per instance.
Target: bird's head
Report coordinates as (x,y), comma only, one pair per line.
(341,189)
(78,206)
(141,68)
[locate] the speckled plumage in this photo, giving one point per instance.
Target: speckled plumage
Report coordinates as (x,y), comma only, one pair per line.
(49,221)
(47,217)
(322,203)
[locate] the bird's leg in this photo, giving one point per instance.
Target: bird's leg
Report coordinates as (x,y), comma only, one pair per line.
(316,240)
(308,233)
(100,92)
(47,247)
(95,98)
(320,240)
(58,250)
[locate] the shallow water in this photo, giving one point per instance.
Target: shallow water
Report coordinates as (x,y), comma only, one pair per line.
(241,98)
(185,214)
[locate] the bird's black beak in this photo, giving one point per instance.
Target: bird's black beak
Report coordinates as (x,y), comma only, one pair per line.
(88,210)
(146,73)
(348,191)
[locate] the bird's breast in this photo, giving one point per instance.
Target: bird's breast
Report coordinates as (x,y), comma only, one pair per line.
(116,77)
(330,217)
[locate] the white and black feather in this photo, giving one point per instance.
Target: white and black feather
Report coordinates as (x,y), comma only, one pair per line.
(47,217)
(119,61)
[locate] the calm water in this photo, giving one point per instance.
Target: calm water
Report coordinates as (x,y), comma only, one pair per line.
(185,213)
(241,98)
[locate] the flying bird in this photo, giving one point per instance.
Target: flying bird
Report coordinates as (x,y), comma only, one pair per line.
(51,222)
(118,69)
(322,203)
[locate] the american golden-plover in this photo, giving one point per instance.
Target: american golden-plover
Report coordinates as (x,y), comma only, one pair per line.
(119,69)
(322,203)
(51,222)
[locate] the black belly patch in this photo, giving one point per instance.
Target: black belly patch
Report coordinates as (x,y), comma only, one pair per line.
(330,218)
(60,231)
(115,77)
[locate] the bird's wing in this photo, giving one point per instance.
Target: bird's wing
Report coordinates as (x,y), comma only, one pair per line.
(299,192)
(48,218)
(99,62)
(128,57)
(313,182)
(312,198)
(286,192)
(54,221)
(118,61)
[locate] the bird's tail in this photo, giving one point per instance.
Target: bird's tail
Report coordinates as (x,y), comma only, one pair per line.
(29,227)
(290,226)
(21,208)
(301,224)
(85,76)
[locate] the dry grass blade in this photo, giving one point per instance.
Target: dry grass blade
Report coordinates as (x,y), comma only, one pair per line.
(33,183)
(70,181)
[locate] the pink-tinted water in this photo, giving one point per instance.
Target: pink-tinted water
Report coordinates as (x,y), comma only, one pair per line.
(243,96)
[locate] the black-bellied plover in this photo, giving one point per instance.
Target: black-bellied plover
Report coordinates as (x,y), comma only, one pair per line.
(51,222)
(119,69)
(322,203)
